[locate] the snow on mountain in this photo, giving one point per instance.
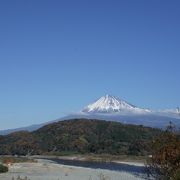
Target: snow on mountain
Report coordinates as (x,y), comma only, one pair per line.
(112,104)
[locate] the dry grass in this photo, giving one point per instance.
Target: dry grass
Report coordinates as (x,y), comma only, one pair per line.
(13,159)
(19,178)
(101,177)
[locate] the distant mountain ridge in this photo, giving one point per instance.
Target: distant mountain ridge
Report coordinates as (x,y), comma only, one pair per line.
(26,128)
(112,108)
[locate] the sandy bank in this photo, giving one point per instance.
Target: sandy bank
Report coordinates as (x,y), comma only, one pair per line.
(48,170)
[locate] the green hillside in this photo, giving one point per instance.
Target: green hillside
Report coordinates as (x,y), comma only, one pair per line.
(80,136)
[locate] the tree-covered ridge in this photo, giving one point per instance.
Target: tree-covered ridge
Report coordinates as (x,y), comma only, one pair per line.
(82,136)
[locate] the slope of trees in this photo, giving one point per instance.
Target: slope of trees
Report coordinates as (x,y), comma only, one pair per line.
(82,136)
(165,150)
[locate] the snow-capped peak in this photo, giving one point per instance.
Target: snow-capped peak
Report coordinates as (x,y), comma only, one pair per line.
(112,104)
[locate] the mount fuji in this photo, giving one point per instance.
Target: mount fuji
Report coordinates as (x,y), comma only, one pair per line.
(112,108)
(112,104)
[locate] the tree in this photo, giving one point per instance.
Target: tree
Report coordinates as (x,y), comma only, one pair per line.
(165,161)
(3,168)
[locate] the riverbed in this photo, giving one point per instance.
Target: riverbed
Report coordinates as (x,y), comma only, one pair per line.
(55,170)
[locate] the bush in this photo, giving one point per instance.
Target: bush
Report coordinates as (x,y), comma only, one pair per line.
(165,161)
(3,168)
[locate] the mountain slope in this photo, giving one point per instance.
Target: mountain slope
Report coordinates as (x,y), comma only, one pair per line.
(82,136)
(149,120)
(112,104)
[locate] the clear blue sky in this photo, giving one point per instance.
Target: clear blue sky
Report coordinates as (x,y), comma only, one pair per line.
(56,56)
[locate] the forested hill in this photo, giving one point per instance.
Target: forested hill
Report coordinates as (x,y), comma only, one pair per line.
(82,136)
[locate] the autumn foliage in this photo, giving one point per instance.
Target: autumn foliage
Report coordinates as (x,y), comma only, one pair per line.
(80,136)
(165,161)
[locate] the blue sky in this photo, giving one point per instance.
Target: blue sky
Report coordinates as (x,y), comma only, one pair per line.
(58,56)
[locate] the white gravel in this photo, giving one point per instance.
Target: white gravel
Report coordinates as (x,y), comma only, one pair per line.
(48,170)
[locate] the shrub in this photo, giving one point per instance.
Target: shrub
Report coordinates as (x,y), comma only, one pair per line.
(165,161)
(3,168)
